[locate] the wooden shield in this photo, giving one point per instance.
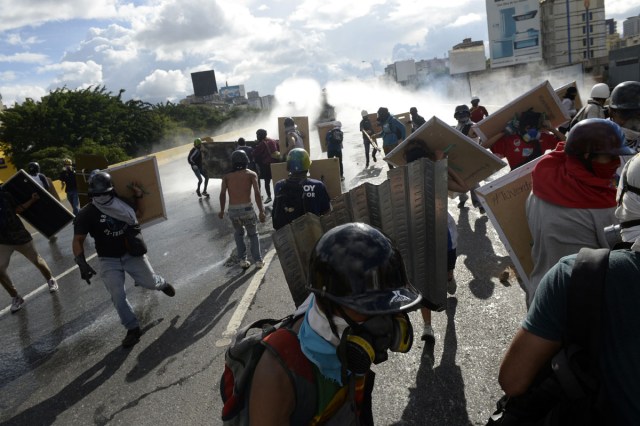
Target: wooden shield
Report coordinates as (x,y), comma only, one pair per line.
(302,124)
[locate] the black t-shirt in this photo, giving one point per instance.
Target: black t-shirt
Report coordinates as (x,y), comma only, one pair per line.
(107,232)
(68,176)
(12,231)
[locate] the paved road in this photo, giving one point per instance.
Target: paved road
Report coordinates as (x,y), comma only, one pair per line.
(61,360)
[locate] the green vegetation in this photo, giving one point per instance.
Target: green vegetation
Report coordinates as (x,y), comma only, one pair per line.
(94,121)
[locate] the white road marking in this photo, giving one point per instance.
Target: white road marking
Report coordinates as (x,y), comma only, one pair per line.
(241,310)
(44,286)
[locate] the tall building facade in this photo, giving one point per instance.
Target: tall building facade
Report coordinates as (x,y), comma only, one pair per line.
(573,31)
(631,26)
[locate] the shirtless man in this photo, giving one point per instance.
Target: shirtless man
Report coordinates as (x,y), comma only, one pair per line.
(239,183)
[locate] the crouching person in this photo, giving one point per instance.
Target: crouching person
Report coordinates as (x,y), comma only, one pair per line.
(318,370)
(113,224)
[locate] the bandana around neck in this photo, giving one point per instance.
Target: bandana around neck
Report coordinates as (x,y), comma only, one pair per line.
(116,208)
(563,180)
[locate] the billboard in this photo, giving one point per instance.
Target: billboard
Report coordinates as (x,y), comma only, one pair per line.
(514,31)
(204,83)
(232,91)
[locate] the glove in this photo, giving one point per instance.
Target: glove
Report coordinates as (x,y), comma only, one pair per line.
(86,271)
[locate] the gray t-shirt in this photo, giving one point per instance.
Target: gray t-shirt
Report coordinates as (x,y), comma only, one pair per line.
(620,361)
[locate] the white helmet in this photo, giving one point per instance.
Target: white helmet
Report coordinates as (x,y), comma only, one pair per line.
(600,91)
(628,195)
(475,98)
(364,113)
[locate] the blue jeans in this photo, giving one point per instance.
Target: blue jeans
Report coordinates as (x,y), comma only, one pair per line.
(72,196)
(244,217)
(112,271)
(200,173)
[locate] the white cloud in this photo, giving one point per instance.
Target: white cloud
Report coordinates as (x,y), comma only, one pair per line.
(467,19)
(19,93)
(74,75)
(15,39)
(163,85)
(34,58)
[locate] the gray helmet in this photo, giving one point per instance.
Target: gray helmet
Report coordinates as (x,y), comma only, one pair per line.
(288,122)
(626,95)
(100,183)
(33,168)
(357,266)
(460,111)
(596,136)
(239,159)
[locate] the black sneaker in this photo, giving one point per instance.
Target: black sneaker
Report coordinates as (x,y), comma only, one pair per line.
(205,194)
(132,337)
(268,200)
(168,290)
(198,192)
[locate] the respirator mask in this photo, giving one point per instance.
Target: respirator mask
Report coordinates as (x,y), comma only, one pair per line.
(366,343)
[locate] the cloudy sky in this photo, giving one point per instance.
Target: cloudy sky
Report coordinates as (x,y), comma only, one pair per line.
(150,47)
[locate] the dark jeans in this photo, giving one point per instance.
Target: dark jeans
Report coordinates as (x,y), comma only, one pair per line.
(336,153)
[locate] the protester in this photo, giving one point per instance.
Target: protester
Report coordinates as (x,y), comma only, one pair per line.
(298,194)
(393,131)
(242,146)
(545,327)
(368,135)
(595,107)
(526,138)
(334,139)
(33,169)
(14,237)
(239,184)
(477,111)
(573,195)
(293,137)
(416,120)
(69,184)
(569,107)
(318,371)
(265,153)
(195,160)
(624,109)
(463,115)
(113,223)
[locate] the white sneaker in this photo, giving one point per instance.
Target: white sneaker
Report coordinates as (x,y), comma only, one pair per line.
(427,334)
(16,304)
(244,264)
(259,264)
(53,285)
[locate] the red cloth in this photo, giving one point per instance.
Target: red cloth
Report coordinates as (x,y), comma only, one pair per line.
(563,180)
(517,151)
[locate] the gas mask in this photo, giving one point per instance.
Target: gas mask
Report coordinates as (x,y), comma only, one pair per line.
(367,343)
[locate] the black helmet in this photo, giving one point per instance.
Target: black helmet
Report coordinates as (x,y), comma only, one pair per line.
(288,122)
(413,110)
(261,134)
(596,136)
(383,113)
(460,111)
(626,95)
(357,266)
(239,159)
(100,183)
(33,168)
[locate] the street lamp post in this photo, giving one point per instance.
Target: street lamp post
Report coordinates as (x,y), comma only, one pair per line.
(372,67)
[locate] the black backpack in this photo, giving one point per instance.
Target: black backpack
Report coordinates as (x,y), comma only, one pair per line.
(288,203)
(568,390)
(336,137)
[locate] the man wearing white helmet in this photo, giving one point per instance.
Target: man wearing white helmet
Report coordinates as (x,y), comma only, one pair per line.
(477,111)
(595,105)
(367,127)
(545,327)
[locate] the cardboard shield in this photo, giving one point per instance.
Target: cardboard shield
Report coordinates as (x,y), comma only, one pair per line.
(323,129)
(471,161)
(302,124)
(144,172)
(541,98)
(410,207)
(47,214)
(504,201)
(216,157)
(326,170)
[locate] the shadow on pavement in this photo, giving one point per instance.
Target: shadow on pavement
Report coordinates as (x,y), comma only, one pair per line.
(438,398)
(196,326)
(480,258)
(47,411)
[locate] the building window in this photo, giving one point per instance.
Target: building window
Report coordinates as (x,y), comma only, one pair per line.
(583,17)
(584,55)
(584,30)
(584,42)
